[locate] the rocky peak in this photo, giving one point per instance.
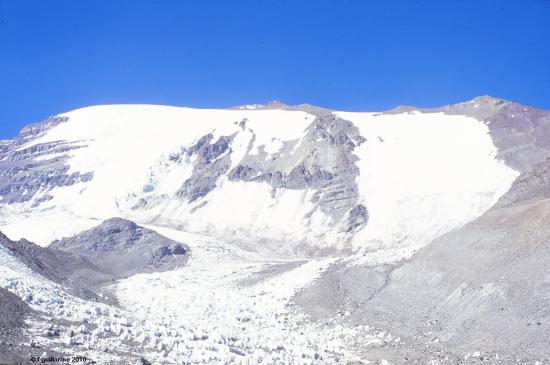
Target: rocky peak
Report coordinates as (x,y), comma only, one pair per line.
(276,104)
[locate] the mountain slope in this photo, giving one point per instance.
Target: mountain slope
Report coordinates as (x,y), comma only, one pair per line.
(121,248)
(282,234)
(12,325)
(384,184)
(113,250)
(483,288)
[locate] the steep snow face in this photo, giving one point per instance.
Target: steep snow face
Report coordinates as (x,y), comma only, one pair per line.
(383,183)
(422,175)
(130,150)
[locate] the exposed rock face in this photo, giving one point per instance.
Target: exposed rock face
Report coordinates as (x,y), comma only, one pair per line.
(80,276)
(521,134)
(115,249)
(358,216)
(121,248)
(26,173)
(38,129)
(530,186)
(323,160)
(212,161)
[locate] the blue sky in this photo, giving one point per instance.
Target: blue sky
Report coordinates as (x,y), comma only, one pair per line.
(354,55)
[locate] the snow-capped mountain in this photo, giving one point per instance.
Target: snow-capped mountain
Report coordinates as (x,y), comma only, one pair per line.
(307,182)
(223,219)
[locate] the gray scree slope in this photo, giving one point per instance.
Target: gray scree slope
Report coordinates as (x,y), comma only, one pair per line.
(78,275)
(484,287)
(12,329)
(115,249)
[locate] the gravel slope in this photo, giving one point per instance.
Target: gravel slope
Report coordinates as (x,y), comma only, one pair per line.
(482,291)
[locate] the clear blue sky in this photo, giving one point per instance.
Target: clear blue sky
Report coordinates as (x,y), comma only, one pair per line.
(355,55)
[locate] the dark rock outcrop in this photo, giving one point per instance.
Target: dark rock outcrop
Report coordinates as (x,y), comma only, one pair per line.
(78,275)
(120,248)
(210,164)
(358,216)
(323,160)
(114,250)
(530,186)
(23,176)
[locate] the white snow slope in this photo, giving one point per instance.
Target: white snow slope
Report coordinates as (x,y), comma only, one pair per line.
(423,175)
(420,175)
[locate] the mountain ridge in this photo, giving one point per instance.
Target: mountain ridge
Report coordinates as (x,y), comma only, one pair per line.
(251,153)
(275,104)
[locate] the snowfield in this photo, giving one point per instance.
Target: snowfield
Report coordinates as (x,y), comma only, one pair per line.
(423,174)
(420,175)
